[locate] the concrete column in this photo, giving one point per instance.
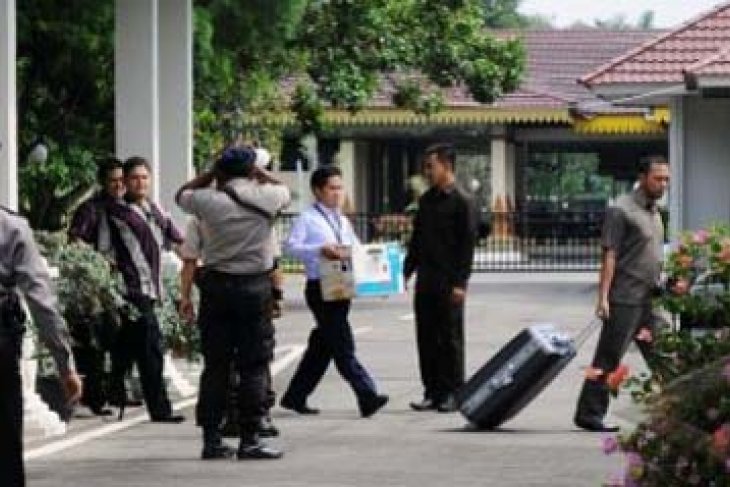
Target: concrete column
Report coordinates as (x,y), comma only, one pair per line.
(346,163)
(175,43)
(503,160)
(136,82)
(676,164)
(8,110)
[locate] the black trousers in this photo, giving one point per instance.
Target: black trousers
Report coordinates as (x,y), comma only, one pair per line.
(440,340)
(616,335)
(11,413)
(140,342)
(331,339)
(235,326)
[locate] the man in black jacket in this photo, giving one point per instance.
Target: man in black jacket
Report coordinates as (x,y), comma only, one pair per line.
(441,251)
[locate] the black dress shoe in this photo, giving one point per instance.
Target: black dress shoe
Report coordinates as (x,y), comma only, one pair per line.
(595,426)
(427,404)
(217,451)
(172,418)
(257,450)
(101,411)
(266,428)
(371,405)
(300,408)
(448,405)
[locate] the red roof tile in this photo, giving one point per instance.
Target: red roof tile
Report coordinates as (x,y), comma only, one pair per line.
(717,65)
(666,58)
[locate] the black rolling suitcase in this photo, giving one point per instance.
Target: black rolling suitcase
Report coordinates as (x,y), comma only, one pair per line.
(517,373)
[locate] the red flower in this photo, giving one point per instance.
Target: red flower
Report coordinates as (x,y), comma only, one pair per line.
(617,377)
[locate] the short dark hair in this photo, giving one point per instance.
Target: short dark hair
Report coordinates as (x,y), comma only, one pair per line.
(646,163)
(322,174)
(105,166)
(134,162)
(444,151)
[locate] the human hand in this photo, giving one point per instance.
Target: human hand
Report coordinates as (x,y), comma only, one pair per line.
(458,295)
(603,309)
(72,386)
(187,310)
(333,252)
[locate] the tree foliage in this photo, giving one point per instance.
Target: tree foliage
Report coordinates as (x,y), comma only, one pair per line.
(260,57)
(65,98)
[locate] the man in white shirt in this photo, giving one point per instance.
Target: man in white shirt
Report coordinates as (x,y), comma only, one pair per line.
(321,231)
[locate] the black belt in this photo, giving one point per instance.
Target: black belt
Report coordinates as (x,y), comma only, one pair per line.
(231,277)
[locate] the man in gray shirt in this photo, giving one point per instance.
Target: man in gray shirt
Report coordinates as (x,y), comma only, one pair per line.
(632,241)
(236,293)
(23,271)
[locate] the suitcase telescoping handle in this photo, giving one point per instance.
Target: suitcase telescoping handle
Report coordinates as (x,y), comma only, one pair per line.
(586,332)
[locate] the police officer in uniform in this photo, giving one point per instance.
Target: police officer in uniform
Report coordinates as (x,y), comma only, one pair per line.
(23,271)
(236,294)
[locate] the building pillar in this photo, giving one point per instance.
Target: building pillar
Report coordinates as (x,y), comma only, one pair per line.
(346,163)
(136,84)
(503,162)
(175,43)
(676,165)
(8,107)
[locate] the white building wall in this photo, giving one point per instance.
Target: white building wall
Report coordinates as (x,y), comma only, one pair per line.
(705,193)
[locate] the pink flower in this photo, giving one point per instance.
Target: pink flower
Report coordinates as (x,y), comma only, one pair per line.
(727,465)
(726,371)
(721,438)
(700,237)
(609,444)
(645,335)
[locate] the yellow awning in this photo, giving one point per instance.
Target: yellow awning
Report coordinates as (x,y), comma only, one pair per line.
(622,124)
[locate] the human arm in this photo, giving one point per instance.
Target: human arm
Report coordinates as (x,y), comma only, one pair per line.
(464,258)
(33,281)
(187,275)
(611,236)
(410,265)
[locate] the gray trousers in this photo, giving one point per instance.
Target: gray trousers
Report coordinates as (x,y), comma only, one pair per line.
(616,336)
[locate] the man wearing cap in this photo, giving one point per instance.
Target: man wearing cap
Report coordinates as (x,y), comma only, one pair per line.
(235,293)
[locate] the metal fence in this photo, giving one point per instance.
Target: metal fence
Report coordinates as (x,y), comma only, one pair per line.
(509,241)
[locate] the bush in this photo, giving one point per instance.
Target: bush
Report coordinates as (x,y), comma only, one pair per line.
(685,436)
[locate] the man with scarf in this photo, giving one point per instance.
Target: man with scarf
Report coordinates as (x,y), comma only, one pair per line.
(139,233)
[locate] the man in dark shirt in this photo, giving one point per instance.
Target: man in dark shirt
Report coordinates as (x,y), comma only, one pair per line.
(441,251)
(90,224)
(632,241)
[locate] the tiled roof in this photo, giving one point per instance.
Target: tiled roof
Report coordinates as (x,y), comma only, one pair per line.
(556,58)
(666,58)
(717,65)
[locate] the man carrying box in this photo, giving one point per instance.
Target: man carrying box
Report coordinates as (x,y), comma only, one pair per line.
(322,232)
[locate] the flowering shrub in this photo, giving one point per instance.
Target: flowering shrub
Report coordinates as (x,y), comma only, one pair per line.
(698,278)
(685,437)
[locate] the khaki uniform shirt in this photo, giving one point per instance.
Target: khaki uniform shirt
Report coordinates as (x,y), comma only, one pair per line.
(237,240)
(23,268)
(633,228)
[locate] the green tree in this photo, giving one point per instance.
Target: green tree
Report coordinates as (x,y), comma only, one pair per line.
(504,14)
(260,57)
(65,99)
